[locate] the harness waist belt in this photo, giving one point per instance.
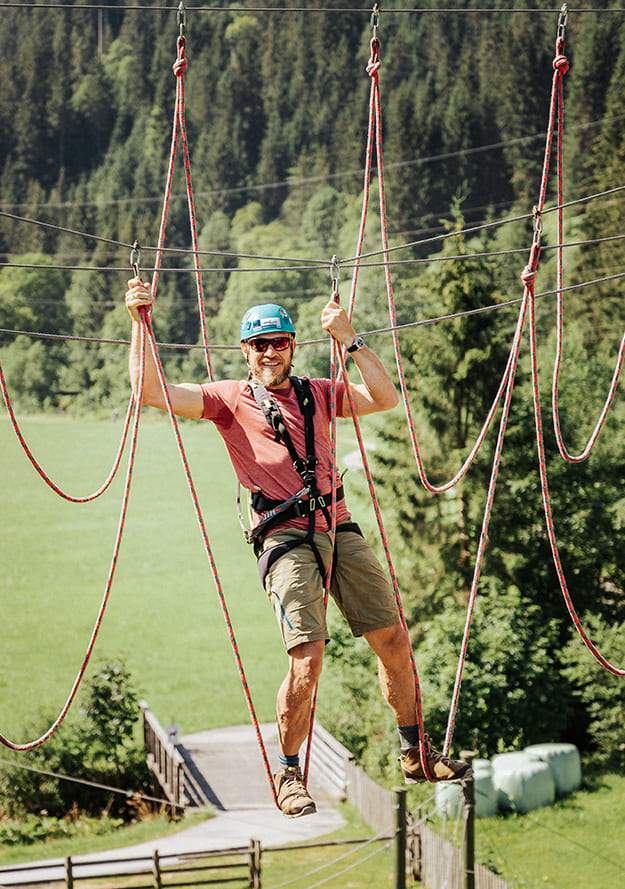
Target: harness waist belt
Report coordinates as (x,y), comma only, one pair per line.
(261,504)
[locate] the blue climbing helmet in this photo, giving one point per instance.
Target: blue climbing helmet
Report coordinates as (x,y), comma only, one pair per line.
(266,318)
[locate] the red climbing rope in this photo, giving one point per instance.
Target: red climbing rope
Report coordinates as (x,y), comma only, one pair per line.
(30,745)
(376,124)
(208,550)
(375,131)
(179,130)
(334,351)
(560,64)
(38,467)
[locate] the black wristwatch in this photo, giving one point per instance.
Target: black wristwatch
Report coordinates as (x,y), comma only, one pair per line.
(356,345)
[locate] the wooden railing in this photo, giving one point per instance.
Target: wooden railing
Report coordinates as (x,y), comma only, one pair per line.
(439,864)
(163,758)
(239,866)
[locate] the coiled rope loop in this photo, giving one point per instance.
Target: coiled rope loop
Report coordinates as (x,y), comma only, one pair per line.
(39,468)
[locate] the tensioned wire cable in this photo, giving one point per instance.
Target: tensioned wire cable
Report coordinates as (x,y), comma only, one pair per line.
(311,263)
(134,794)
(246,10)
(423,322)
(417,260)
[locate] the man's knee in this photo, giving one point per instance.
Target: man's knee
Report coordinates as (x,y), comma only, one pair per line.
(390,644)
(306,661)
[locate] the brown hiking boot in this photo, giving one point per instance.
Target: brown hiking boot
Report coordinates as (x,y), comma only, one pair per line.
(293,798)
(440,767)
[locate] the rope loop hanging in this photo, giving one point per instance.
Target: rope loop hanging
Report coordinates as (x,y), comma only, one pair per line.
(555,113)
(559,64)
(179,130)
(31,745)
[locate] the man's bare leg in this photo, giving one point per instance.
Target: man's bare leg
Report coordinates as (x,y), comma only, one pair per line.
(293,709)
(295,695)
(397,681)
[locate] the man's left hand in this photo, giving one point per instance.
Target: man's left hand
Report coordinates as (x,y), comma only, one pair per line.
(334,321)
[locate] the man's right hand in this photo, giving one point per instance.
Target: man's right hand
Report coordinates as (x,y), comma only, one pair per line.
(138,294)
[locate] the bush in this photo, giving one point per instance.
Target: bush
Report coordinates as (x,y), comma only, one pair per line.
(96,747)
(511,680)
(512,691)
(600,691)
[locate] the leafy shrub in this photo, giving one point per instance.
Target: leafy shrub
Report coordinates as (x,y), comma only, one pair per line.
(97,747)
(511,680)
(599,690)
(32,829)
(512,693)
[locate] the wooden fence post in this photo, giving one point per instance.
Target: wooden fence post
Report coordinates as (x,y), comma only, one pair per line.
(69,876)
(468,791)
(400,837)
(254,858)
(156,870)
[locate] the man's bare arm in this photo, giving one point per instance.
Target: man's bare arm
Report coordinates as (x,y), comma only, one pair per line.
(377,391)
(186,398)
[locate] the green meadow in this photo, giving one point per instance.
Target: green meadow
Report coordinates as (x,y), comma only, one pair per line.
(163,614)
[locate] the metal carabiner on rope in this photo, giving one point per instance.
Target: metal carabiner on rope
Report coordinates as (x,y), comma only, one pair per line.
(335,272)
(375,19)
(180,16)
(564,13)
(135,259)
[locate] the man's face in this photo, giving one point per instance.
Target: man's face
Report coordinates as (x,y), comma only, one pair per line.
(269,358)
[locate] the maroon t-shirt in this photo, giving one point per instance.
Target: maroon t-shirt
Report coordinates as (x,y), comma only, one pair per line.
(259,461)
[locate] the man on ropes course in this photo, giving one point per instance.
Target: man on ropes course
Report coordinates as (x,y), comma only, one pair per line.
(282,455)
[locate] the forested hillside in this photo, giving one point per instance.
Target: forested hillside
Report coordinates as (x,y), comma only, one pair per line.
(276,105)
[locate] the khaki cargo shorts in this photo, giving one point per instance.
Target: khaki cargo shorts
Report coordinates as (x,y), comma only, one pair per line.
(359,587)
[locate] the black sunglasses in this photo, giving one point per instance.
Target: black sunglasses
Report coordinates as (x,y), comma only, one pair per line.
(279,343)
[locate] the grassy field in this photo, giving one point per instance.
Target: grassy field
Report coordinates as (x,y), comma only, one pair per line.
(163,613)
(576,844)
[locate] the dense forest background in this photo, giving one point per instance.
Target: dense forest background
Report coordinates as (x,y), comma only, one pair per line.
(276,110)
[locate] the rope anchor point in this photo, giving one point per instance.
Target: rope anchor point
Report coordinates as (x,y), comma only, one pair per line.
(180,18)
(135,258)
(564,13)
(375,19)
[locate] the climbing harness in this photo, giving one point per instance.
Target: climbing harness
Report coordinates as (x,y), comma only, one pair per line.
(308,500)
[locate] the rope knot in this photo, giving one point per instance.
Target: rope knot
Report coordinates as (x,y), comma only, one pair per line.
(528,276)
(561,63)
(374,63)
(179,66)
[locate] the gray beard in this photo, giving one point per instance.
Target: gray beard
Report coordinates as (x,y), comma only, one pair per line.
(270,376)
